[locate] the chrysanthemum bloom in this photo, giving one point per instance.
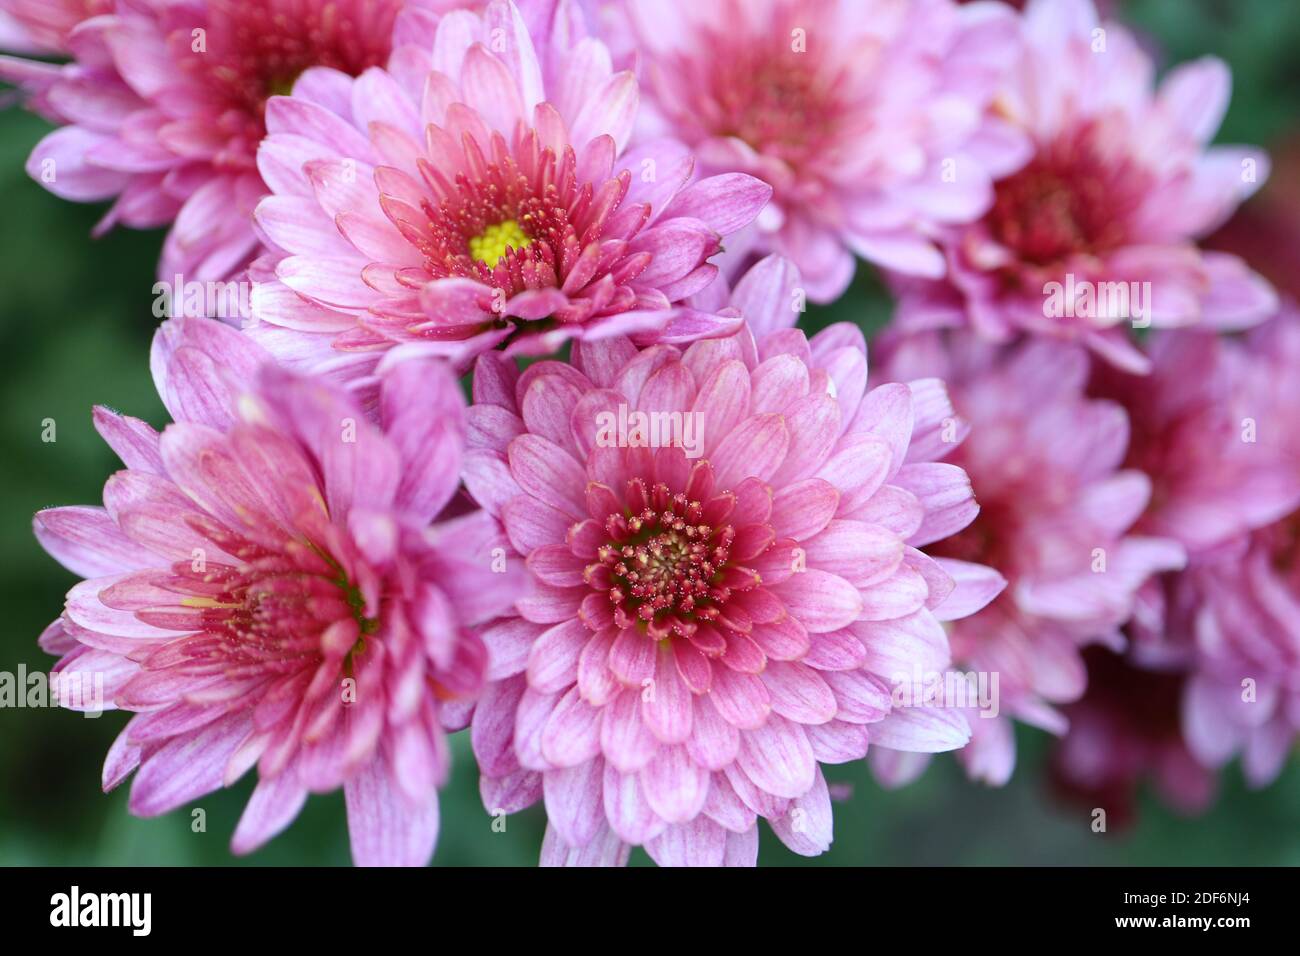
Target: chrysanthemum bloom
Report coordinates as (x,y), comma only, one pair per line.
(1056,513)
(1206,430)
(39,28)
(718,608)
(1124,731)
(264,589)
(479,194)
(43,26)
(165,102)
(1098,229)
(1243,695)
(869,119)
(1222,442)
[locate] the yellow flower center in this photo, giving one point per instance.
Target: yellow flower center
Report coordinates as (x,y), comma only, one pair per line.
(496,239)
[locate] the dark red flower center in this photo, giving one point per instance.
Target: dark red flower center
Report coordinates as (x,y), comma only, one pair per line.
(1071,199)
(255,49)
(779,100)
(1136,713)
(1145,702)
(1283,542)
(990,539)
(268,611)
(779,105)
(668,563)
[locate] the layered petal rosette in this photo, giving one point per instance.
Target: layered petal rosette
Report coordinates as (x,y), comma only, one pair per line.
(263,589)
(1098,230)
(1057,516)
(165,102)
(480,194)
(1231,621)
(1210,426)
(1242,697)
(723,539)
(869,119)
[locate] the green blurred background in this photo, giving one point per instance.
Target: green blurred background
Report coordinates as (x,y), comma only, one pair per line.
(76,323)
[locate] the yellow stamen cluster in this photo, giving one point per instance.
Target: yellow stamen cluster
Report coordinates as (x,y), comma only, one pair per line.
(496,239)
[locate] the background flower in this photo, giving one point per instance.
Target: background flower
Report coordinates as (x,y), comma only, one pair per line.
(262,589)
(868,119)
(1219,439)
(1124,731)
(1120,185)
(1056,518)
(163,106)
(43,26)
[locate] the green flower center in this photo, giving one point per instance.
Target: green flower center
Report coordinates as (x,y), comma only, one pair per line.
(282,85)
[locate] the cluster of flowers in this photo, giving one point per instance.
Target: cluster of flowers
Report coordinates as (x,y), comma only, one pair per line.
(330,560)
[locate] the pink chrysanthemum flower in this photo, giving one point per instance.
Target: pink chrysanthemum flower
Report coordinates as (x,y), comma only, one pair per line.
(1243,693)
(1218,468)
(43,26)
(479,194)
(1221,442)
(1098,229)
(868,119)
(705,630)
(1123,731)
(264,589)
(165,103)
(1056,518)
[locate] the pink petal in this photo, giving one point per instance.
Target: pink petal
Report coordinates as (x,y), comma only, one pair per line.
(553,660)
(806,827)
(727,202)
(574,802)
(821,601)
(674,785)
(922,729)
(701,842)
(384,827)
(667,702)
(272,807)
(778,758)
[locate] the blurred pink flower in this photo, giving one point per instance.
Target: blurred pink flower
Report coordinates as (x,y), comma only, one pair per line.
(1243,695)
(1230,413)
(1057,515)
(163,107)
(869,119)
(1099,227)
(43,26)
(479,194)
(706,629)
(263,588)
(1209,426)
(1124,730)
